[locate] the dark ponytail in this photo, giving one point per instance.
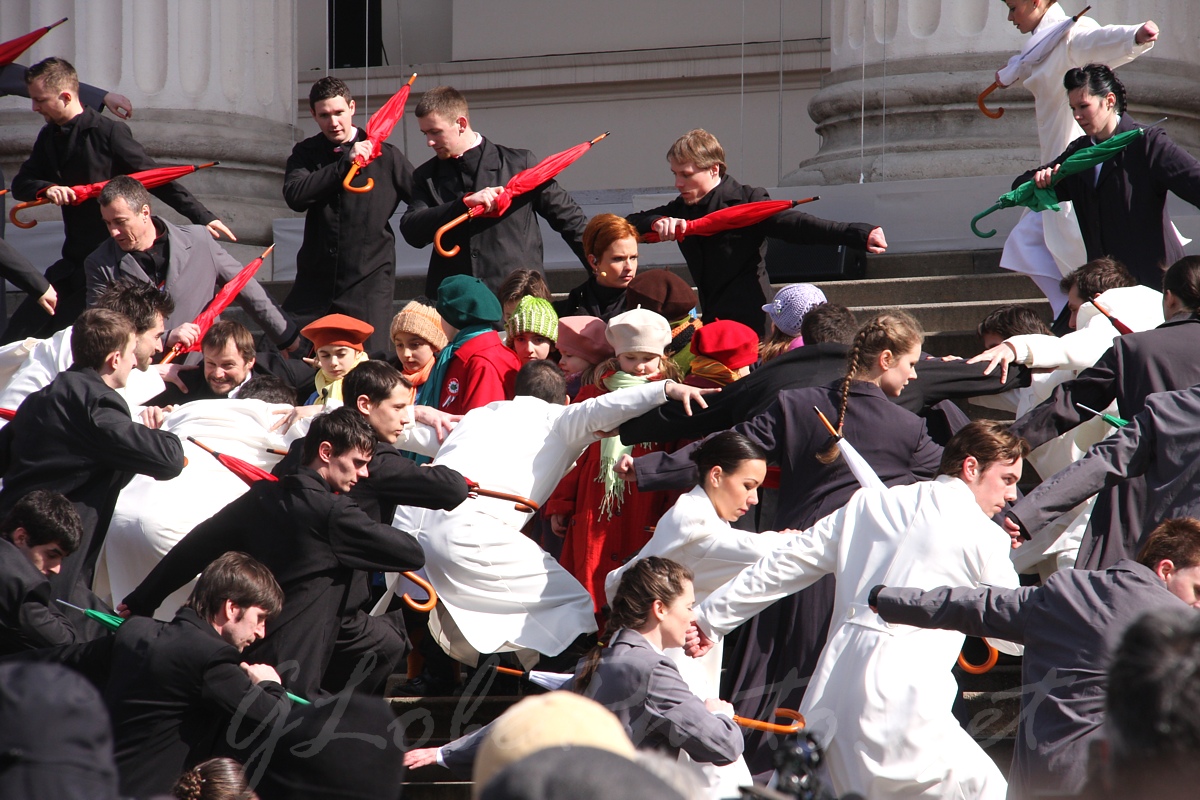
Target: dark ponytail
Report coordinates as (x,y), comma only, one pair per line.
(646,580)
(1099,81)
(727,450)
(1182,279)
(215,779)
(893,330)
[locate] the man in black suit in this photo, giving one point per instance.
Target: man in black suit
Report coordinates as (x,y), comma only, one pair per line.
(181,692)
(381,394)
(470,171)
(78,146)
(41,530)
(76,437)
(313,537)
(347,261)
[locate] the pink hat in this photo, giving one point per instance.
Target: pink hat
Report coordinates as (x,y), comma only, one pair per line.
(583,337)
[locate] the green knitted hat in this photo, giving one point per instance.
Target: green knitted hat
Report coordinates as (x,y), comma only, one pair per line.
(533,315)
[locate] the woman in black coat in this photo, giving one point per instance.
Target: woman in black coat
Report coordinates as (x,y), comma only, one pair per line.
(1121,206)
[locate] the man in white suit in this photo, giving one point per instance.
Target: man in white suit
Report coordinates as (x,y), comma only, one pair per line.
(498,591)
(881,695)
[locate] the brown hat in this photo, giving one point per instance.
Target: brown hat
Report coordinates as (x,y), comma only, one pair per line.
(338,330)
(639,331)
(421,320)
(583,337)
(733,344)
(662,292)
(552,720)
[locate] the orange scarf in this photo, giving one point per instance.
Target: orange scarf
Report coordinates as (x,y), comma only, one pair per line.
(420,376)
(715,371)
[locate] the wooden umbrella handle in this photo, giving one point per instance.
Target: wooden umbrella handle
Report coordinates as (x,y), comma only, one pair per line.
(454,223)
(354,168)
(522,504)
(415,605)
(516,673)
(999,112)
(772,727)
(12,213)
(173,354)
(979,669)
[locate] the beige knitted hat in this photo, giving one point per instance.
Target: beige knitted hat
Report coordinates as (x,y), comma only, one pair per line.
(420,320)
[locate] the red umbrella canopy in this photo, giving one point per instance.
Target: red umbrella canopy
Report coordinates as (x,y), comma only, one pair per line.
(150,178)
(11,50)
(205,319)
(732,218)
(243,469)
(380,126)
(545,170)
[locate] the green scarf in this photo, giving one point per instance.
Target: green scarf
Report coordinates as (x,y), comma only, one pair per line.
(611,450)
(430,393)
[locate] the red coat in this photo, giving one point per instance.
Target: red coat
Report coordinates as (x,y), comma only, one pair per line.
(596,544)
(481,371)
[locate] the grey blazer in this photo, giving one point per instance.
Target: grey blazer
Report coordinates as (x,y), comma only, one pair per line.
(1069,627)
(656,707)
(196,269)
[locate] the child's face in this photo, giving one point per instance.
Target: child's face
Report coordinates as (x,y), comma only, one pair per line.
(335,361)
(643,365)
(571,365)
(531,347)
(412,351)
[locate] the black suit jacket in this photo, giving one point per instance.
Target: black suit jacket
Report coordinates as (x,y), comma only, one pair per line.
(1124,213)
(28,618)
(490,247)
(76,437)
(98,148)
(347,261)
(172,689)
(730,268)
(313,540)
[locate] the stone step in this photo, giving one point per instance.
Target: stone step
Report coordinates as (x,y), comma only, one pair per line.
(998,287)
(947,262)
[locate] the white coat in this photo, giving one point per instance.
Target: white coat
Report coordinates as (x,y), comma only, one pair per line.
(692,534)
(881,695)
(1049,244)
(498,591)
(151,516)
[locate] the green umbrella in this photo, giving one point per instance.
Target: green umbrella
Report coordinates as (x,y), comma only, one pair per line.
(112,622)
(1035,199)
(1111,419)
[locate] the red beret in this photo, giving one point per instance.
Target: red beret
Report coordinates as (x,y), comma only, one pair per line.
(337,330)
(733,344)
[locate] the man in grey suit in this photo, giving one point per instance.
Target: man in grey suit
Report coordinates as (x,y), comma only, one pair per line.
(183,261)
(1070,628)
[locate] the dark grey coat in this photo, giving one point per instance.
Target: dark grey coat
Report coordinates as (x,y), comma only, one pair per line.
(1069,628)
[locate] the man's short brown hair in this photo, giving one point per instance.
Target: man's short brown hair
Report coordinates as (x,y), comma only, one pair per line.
(326,88)
(222,332)
(1175,539)
(56,74)
(97,334)
(239,578)
(699,148)
(445,101)
(126,188)
(988,441)
(1096,277)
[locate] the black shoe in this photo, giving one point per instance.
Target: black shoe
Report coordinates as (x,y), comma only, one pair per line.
(426,685)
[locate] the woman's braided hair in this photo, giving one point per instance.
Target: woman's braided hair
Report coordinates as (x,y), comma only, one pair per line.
(215,779)
(893,330)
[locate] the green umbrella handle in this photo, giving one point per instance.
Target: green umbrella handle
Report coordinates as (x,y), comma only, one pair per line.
(980,216)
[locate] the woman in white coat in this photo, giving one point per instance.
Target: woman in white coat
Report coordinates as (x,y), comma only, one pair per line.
(880,698)
(696,533)
(1048,246)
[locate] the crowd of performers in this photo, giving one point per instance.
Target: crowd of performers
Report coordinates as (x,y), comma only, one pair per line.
(686,506)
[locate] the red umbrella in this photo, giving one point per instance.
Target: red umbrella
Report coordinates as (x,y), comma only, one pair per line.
(379,128)
(524,181)
(1121,327)
(252,475)
(7,413)
(218,304)
(150,178)
(733,217)
(11,50)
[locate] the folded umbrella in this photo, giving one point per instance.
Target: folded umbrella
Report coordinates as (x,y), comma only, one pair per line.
(1035,199)
(858,465)
(524,181)
(1020,66)
(1111,419)
(251,475)
(221,300)
(1121,327)
(11,50)
(379,128)
(112,622)
(150,178)
(733,217)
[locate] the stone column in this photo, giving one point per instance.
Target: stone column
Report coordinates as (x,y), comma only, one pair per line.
(899,101)
(209,81)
